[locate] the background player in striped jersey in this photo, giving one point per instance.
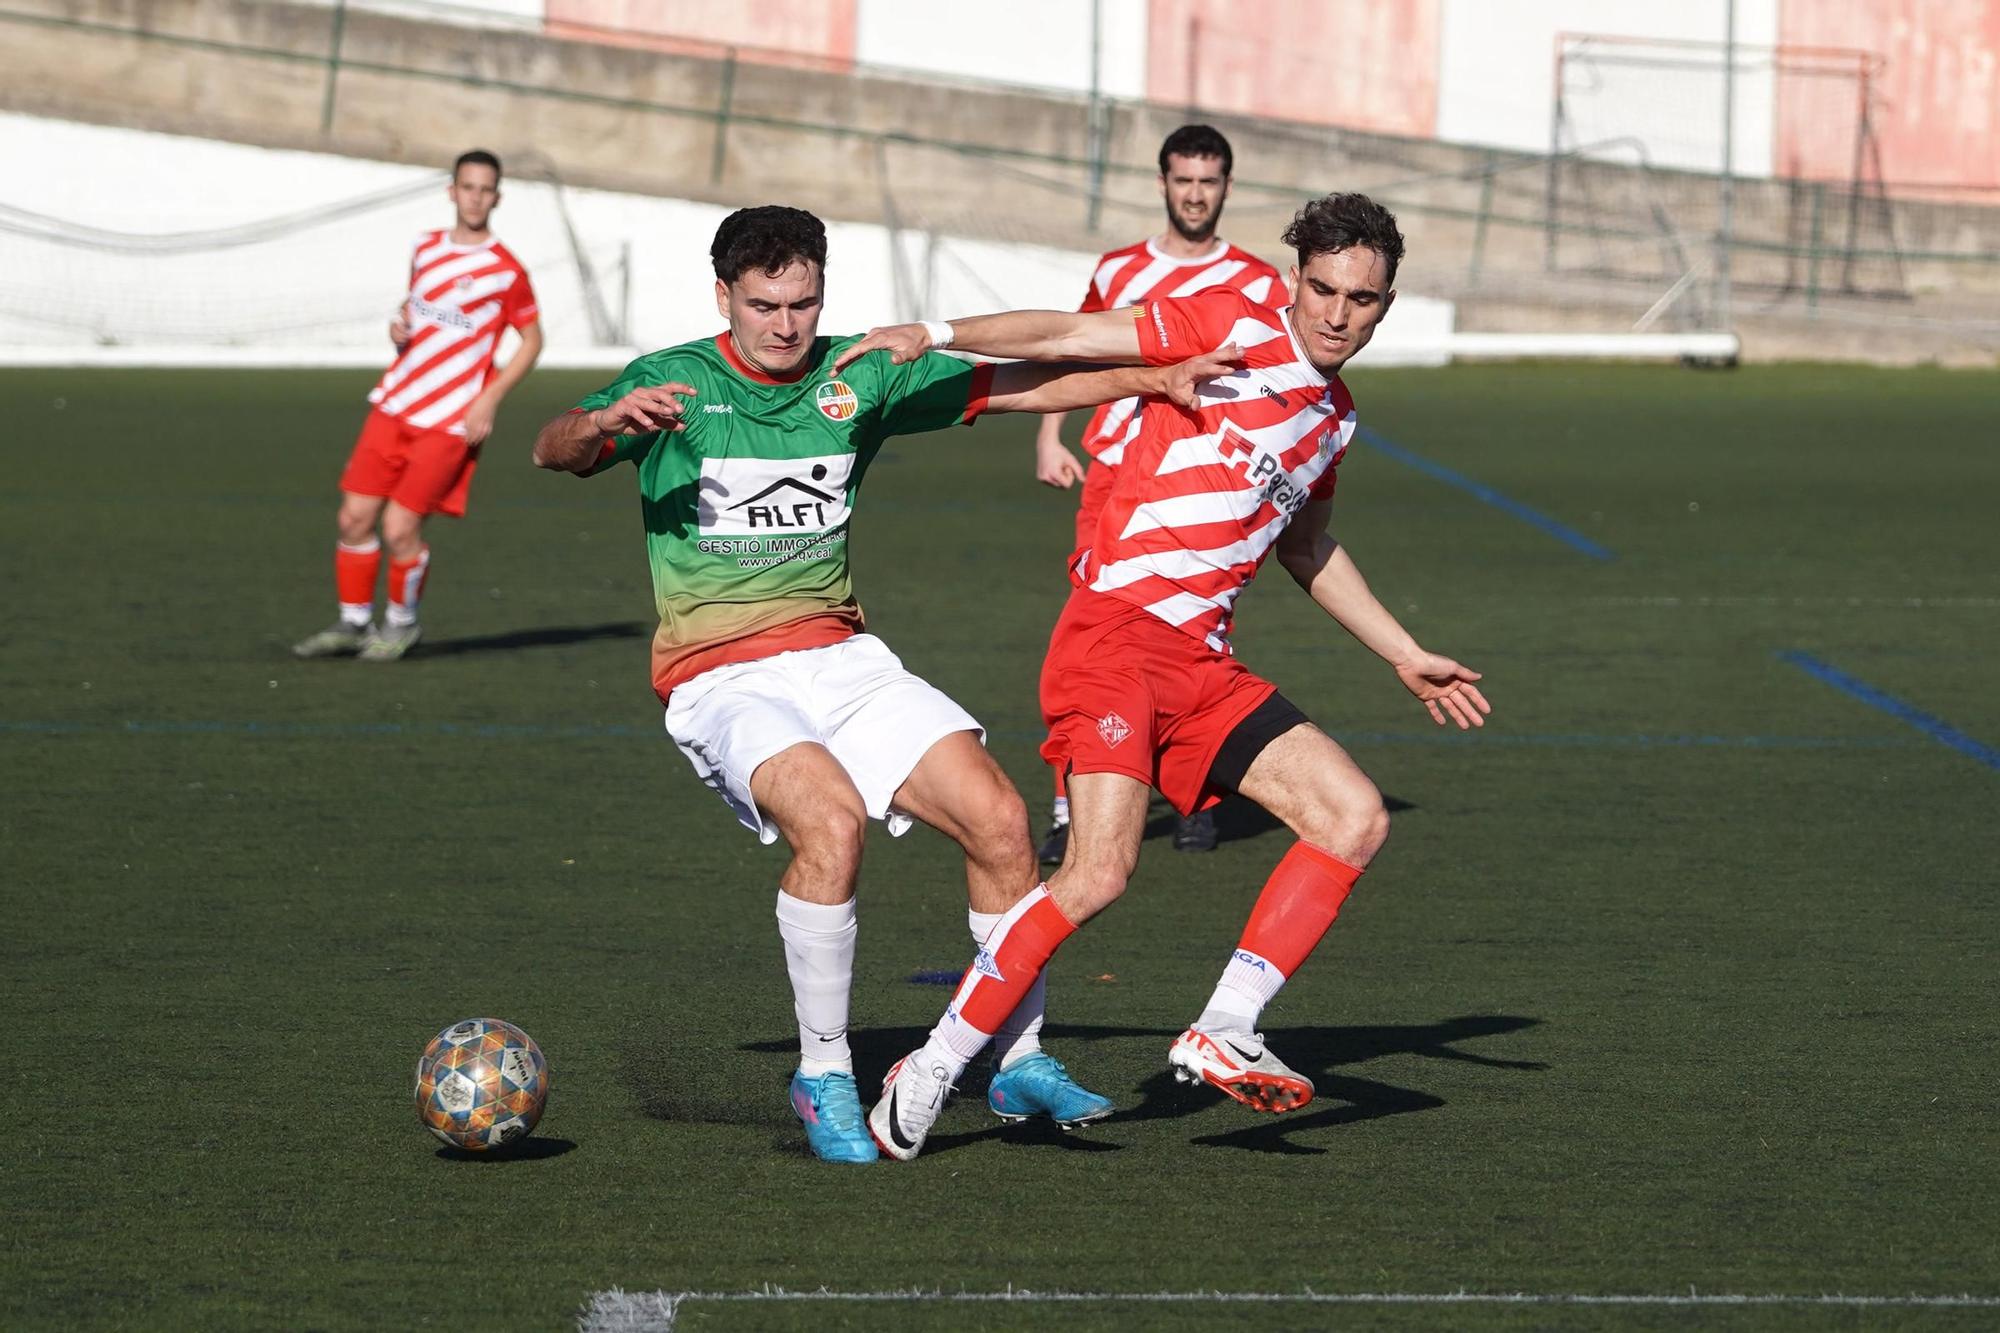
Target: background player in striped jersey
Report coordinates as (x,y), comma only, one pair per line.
(1139,687)
(1195,168)
(750,456)
(434,407)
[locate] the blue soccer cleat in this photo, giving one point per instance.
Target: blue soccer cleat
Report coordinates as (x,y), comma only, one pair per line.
(1039,1085)
(830,1108)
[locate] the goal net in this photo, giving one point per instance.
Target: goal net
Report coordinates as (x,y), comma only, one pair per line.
(1640,152)
(314,282)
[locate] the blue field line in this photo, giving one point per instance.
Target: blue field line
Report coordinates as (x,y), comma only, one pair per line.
(617,731)
(1936,728)
(1480,490)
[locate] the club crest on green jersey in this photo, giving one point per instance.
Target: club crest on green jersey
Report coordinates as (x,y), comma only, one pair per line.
(836,400)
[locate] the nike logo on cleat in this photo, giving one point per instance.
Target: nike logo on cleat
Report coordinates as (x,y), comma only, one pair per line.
(1247,1057)
(896,1127)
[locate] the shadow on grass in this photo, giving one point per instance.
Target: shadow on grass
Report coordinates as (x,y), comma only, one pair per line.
(1319,1052)
(550,636)
(530,1149)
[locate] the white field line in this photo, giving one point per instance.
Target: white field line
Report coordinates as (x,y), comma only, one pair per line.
(617,1311)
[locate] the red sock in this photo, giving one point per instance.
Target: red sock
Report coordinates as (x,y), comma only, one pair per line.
(1298,904)
(406,586)
(1002,973)
(354,572)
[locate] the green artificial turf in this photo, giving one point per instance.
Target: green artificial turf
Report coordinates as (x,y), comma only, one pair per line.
(1679,977)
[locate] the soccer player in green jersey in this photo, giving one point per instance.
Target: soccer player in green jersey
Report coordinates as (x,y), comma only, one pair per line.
(750,455)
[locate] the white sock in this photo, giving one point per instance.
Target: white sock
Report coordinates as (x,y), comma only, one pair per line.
(356,615)
(1021,1035)
(1247,985)
(819,955)
(1061,809)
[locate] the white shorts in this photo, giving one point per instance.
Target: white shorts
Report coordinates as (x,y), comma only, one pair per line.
(853,697)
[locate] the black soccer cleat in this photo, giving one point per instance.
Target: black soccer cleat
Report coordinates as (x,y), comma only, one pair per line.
(1195,832)
(1056,844)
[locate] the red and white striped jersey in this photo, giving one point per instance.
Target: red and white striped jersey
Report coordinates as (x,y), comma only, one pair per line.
(1141,272)
(1202,495)
(460,298)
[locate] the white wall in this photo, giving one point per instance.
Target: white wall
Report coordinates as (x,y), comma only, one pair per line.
(1496,78)
(476,13)
(334,286)
(1040,42)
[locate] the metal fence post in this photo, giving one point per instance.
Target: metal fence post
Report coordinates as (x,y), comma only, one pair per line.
(1096,127)
(1479,223)
(332,65)
(1812,250)
(1726,222)
(625,292)
(1551,185)
(723,108)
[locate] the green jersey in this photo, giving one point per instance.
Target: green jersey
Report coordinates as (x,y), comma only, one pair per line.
(747,508)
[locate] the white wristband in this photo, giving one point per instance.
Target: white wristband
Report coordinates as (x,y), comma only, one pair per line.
(940,333)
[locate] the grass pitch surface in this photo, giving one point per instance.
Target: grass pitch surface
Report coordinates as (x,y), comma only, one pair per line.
(1680,976)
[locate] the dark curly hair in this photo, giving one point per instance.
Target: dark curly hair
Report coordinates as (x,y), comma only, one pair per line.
(1197,141)
(767,239)
(1339,222)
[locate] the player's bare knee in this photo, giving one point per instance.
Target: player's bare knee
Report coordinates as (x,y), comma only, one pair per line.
(1372,833)
(402,533)
(830,843)
(1089,885)
(356,524)
(1348,820)
(1355,830)
(997,838)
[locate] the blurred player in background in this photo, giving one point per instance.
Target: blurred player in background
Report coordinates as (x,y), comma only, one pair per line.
(1140,687)
(1187,257)
(434,407)
(750,455)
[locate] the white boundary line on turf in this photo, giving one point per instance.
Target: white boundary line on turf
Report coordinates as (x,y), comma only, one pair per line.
(617,1311)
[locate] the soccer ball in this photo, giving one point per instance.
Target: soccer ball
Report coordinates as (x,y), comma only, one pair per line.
(481,1084)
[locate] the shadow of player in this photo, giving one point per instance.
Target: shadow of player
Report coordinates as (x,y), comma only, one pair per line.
(1317,1052)
(548,636)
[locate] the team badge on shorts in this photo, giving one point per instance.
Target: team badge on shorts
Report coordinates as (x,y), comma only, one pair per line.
(1113,728)
(836,402)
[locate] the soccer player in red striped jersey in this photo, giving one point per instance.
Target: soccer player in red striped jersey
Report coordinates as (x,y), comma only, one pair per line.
(1140,689)
(1196,163)
(433,408)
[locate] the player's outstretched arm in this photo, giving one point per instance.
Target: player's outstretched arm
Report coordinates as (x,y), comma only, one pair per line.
(573,441)
(1321,566)
(1016,335)
(1023,387)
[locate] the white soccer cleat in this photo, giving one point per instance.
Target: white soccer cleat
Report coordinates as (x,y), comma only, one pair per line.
(913,1095)
(1238,1063)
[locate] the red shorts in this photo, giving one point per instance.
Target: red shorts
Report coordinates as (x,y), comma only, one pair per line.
(1125,692)
(425,471)
(1096,490)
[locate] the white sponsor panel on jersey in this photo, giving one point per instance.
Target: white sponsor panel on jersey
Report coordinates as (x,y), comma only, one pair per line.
(773,497)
